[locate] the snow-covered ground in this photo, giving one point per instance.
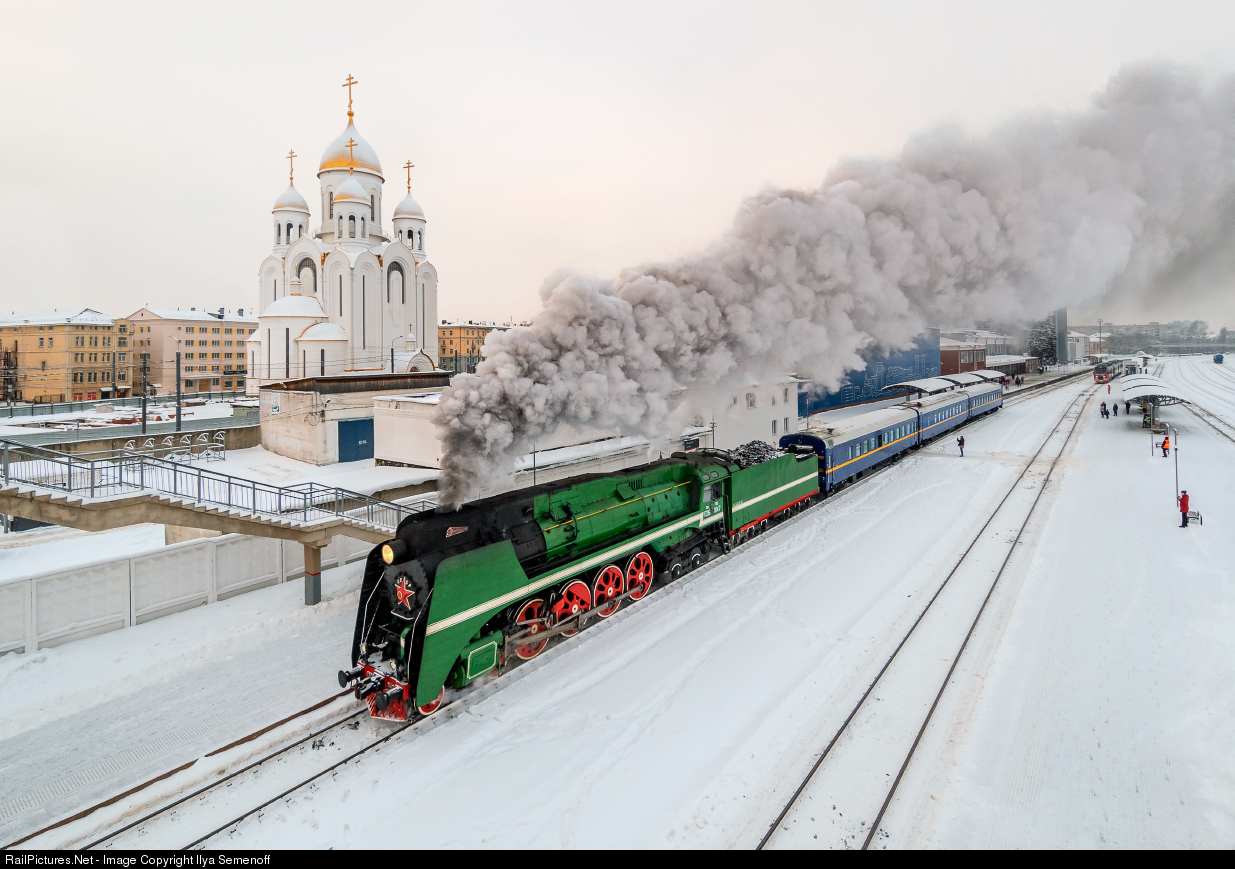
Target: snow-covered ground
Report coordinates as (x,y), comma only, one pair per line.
(363,476)
(52,549)
(1092,708)
(156,411)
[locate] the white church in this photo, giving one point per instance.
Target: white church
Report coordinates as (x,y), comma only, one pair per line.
(350,295)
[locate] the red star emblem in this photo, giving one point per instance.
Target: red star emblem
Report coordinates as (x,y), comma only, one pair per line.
(404,592)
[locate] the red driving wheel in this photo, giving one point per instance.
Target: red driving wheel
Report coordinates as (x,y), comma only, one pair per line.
(531,618)
(639,575)
(609,584)
(575,598)
(430,708)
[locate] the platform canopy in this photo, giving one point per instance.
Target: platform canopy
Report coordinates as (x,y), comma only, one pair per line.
(928,385)
(965,378)
(989,375)
(1143,387)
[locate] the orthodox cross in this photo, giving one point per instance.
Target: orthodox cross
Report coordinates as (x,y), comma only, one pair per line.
(409,165)
(351,154)
(348,84)
(291,167)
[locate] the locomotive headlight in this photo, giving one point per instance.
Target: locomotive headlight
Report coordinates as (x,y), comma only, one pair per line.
(394,551)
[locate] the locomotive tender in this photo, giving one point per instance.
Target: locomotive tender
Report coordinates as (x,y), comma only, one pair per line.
(456,594)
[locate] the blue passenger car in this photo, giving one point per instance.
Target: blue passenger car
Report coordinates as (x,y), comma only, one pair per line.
(847,447)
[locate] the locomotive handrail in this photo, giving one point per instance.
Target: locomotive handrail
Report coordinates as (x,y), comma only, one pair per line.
(133,472)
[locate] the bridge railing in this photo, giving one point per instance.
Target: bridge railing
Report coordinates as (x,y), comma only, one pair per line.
(133,472)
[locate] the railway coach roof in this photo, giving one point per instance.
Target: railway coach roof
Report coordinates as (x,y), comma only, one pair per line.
(929,385)
(843,429)
(1137,387)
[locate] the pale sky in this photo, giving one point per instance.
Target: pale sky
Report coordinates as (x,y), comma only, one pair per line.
(144,143)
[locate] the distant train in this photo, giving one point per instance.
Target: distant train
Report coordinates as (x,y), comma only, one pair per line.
(850,446)
(1105,372)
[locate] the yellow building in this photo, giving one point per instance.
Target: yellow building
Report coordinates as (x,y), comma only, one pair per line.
(459,343)
(64,356)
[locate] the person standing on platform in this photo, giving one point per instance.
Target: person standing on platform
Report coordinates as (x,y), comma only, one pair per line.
(1115,407)
(960,442)
(1166,446)
(1108,389)
(1127,407)
(1183,508)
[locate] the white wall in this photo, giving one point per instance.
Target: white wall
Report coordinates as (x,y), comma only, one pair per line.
(48,609)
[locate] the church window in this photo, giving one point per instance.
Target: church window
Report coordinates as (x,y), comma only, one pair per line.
(351,227)
(331,195)
(362,229)
(278,233)
(299,230)
(289,233)
(340,295)
(372,207)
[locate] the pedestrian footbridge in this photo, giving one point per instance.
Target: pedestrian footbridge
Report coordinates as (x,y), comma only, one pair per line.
(129,488)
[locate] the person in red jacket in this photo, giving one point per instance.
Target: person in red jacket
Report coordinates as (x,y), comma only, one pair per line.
(1183,508)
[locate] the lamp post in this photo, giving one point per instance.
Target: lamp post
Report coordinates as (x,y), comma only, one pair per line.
(392,352)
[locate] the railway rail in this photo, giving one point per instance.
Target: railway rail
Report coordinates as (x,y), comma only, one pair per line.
(794,820)
(282,751)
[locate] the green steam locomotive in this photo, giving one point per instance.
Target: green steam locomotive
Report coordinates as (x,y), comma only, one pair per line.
(460,594)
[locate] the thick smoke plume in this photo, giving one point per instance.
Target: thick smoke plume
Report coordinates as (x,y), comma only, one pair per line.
(1126,199)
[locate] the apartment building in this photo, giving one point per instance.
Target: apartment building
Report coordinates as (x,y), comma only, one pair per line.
(211,346)
(72,355)
(459,343)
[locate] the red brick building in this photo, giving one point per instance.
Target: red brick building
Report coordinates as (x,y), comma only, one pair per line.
(958,356)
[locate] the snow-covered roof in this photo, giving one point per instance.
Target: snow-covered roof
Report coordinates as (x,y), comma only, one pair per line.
(291,200)
(82,316)
(1142,386)
(987,374)
(843,429)
(929,385)
(409,207)
(336,154)
(177,314)
(295,306)
(963,379)
(968,345)
(323,332)
(1007,358)
(351,191)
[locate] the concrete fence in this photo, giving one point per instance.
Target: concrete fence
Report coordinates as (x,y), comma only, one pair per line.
(37,612)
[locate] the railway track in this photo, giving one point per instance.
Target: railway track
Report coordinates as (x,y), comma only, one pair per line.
(843,798)
(1199,383)
(137,791)
(279,754)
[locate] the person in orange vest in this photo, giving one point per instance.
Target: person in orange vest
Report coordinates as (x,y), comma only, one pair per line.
(1183,508)
(1108,389)
(1166,445)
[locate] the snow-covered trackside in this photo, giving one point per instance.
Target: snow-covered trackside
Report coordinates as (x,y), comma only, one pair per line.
(1095,712)
(157,695)
(699,708)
